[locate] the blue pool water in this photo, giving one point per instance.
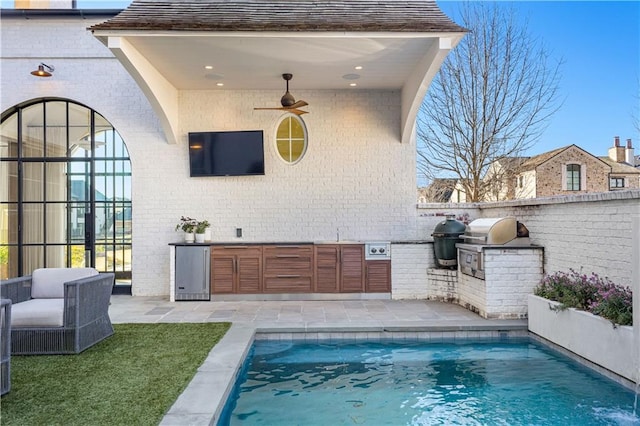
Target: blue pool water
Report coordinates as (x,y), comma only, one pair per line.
(513,382)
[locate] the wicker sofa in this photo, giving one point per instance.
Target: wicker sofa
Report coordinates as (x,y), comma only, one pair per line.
(58,310)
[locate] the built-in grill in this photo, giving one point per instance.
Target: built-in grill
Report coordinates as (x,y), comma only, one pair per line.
(488,232)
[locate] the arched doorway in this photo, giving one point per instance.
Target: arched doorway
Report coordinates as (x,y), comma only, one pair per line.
(65,191)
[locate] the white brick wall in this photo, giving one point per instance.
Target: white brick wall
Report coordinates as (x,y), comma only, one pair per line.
(409,264)
(510,275)
(442,285)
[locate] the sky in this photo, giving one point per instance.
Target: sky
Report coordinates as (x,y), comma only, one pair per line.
(599,44)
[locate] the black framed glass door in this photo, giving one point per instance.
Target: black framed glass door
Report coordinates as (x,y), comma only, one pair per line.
(65,196)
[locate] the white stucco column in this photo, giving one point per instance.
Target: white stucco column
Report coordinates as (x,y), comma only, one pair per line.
(635,287)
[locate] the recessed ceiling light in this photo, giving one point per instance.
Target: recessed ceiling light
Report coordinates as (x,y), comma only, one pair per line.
(219,84)
(359,67)
(353,84)
(208,67)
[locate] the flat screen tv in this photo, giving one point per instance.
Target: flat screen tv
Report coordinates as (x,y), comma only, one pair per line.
(237,153)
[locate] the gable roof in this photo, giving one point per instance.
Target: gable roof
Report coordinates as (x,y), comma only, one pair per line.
(535,161)
(283,16)
(620,168)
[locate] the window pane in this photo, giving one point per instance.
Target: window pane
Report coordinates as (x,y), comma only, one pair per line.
(297,148)
(56,141)
(33,223)
(8,262)
(9,179)
(79,131)
(56,223)
(283,131)
(296,129)
(104,135)
(101,258)
(76,222)
(33,258)
(33,131)
(79,181)
(103,221)
(78,256)
(33,181)
(57,256)
(56,181)
(9,223)
(284,150)
(9,137)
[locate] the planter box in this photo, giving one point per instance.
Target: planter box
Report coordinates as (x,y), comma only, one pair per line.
(592,337)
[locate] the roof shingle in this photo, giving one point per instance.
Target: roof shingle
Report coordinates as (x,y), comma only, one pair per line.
(282,16)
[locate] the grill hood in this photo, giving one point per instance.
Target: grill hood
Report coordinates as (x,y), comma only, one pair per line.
(499,230)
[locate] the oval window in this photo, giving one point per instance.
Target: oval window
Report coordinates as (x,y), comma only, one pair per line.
(291,138)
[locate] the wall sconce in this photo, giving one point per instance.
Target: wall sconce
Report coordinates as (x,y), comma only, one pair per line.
(42,72)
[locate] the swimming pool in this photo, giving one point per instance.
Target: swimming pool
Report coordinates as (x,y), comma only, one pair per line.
(471,382)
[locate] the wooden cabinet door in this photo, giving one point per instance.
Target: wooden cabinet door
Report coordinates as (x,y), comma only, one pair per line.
(327,271)
(222,272)
(249,271)
(352,268)
(236,270)
(378,276)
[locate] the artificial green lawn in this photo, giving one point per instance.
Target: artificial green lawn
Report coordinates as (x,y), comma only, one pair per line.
(131,378)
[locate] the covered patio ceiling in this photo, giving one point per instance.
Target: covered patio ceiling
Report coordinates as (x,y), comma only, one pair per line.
(257,61)
(248,45)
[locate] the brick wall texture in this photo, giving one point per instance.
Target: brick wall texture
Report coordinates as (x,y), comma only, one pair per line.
(549,174)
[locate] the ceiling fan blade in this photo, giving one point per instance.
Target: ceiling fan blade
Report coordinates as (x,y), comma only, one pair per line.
(288,109)
(298,104)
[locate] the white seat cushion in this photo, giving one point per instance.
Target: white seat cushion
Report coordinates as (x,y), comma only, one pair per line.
(38,313)
(49,282)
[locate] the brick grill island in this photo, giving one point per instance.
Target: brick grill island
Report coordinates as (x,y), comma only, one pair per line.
(497,270)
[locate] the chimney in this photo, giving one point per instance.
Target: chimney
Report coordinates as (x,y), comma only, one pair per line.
(629,157)
(617,152)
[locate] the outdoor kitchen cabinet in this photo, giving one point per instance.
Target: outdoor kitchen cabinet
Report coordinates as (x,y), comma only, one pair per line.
(288,268)
(340,268)
(236,269)
(378,276)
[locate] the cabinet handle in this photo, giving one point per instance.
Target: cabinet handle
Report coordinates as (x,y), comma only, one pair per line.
(287,276)
(205,261)
(235,247)
(284,247)
(287,256)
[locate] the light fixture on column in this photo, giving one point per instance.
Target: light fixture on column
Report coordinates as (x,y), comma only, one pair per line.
(43,70)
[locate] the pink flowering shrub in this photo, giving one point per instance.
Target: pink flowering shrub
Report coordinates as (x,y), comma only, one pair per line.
(592,293)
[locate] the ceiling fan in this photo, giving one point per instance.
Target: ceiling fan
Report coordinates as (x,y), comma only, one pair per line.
(288,102)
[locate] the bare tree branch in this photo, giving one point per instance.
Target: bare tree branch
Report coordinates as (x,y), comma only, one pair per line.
(491,99)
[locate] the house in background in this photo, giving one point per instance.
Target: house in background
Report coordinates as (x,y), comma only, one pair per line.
(438,191)
(571,170)
(562,171)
